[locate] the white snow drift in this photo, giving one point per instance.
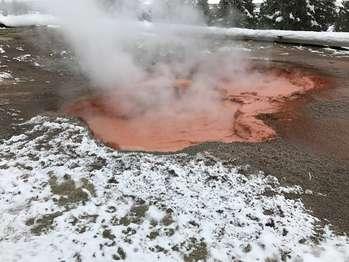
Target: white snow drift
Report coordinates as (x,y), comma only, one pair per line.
(336,39)
(65,197)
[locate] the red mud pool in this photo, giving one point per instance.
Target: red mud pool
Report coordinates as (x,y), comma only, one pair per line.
(188,114)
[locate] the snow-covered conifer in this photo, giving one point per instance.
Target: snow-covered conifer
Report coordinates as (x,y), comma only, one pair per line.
(239,13)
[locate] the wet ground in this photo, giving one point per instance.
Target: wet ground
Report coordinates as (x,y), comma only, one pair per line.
(312,147)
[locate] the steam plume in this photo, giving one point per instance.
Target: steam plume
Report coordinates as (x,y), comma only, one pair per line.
(104,39)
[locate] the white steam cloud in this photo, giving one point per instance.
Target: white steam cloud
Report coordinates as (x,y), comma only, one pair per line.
(119,49)
(103,36)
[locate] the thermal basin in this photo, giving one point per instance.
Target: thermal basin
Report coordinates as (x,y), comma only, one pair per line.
(224,108)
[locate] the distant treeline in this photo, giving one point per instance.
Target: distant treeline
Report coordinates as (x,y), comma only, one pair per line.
(14,7)
(308,15)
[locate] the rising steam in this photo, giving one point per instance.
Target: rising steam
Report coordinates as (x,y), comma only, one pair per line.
(105,37)
(158,89)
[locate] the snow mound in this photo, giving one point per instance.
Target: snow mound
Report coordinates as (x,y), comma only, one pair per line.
(27,20)
(5,76)
(334,39)
(65,197)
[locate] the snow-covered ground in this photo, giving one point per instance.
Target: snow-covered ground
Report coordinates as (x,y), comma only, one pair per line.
(300,37)
(65,197)
(335,39)
(27,20)
(4,76)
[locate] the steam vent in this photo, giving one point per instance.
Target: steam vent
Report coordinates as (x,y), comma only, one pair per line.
(225,108)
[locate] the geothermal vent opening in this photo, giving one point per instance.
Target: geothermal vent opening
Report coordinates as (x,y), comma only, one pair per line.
(222,106)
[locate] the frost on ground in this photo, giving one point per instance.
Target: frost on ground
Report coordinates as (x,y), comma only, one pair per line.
(65,197)
(342,53)
(5,76)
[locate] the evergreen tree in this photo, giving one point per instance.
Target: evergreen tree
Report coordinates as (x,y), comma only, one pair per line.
(342,23)
(176,11)
(204,8)
(324,14)
(286,14)
(317,15)
(239,13)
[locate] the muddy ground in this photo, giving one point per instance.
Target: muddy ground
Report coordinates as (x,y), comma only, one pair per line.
(312,149)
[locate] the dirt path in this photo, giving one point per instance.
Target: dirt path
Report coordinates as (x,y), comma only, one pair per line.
(312,150)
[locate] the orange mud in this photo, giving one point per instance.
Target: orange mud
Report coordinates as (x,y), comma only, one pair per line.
(227,111)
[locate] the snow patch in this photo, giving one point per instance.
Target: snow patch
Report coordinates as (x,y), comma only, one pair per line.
(23,58)
(27,20)
(338,39)
(5,76)
(63,196)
